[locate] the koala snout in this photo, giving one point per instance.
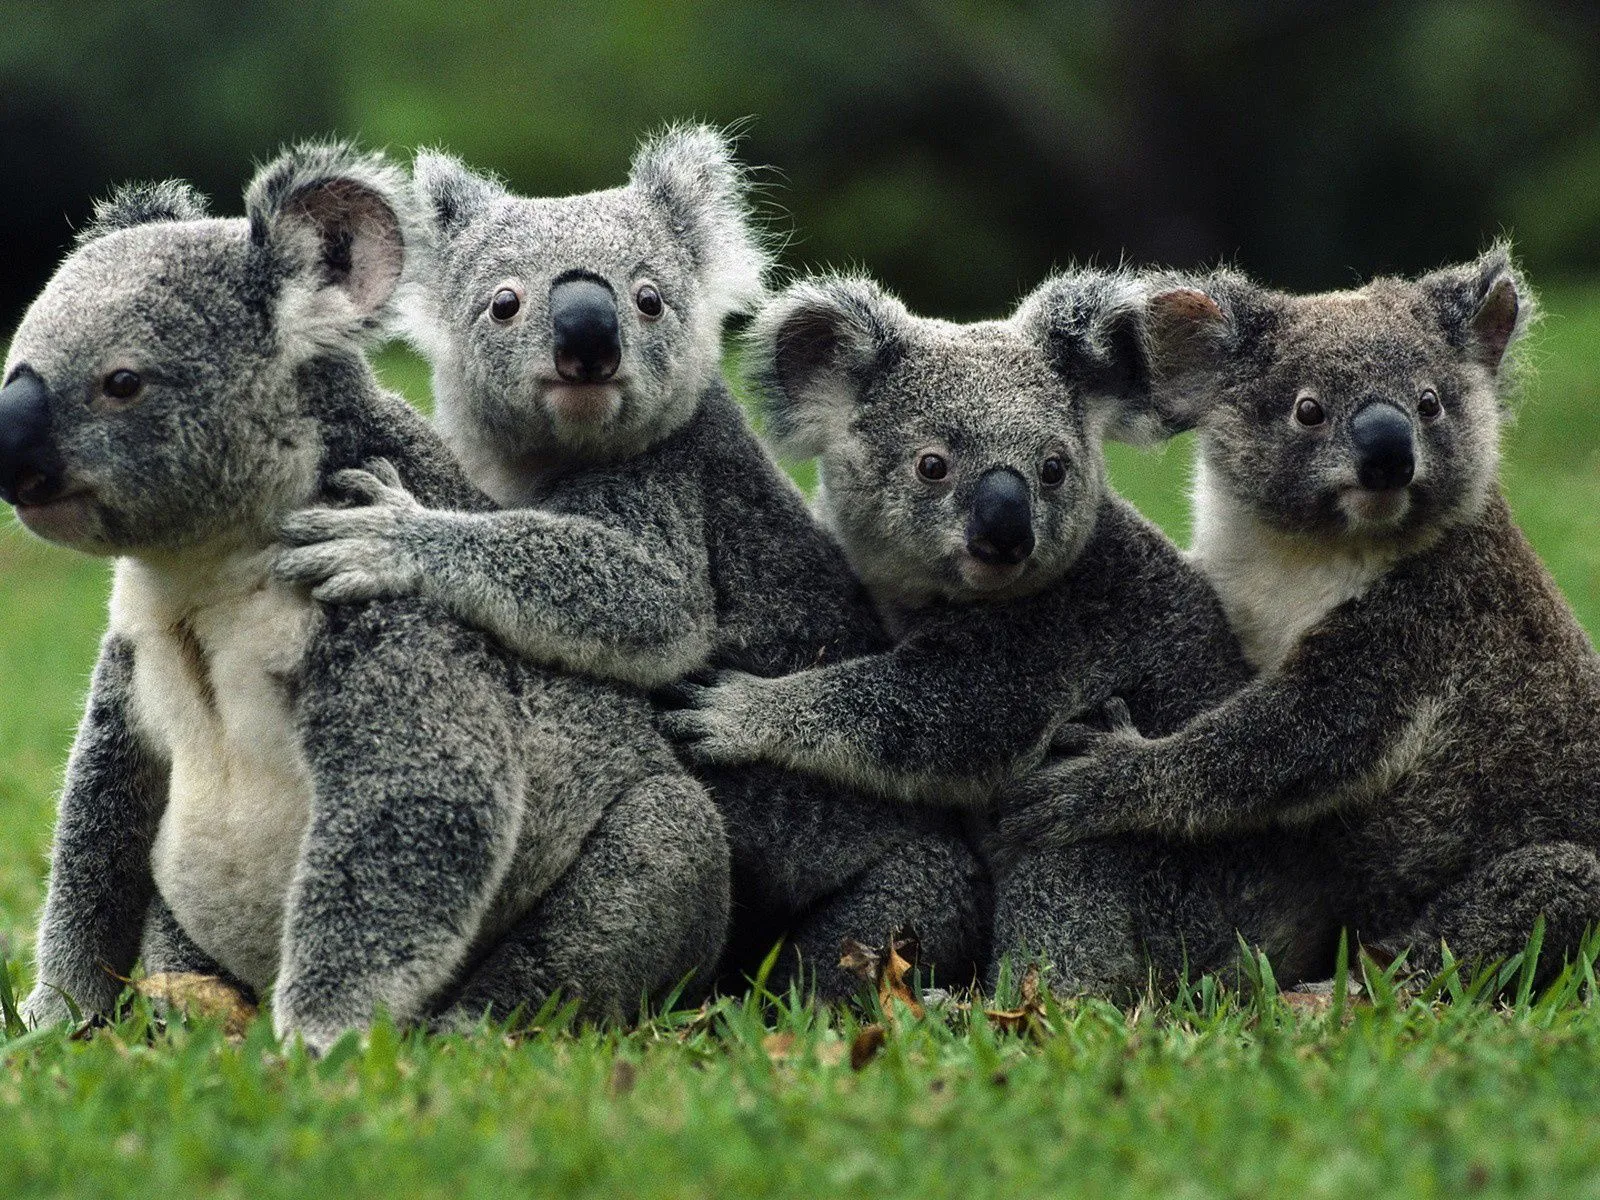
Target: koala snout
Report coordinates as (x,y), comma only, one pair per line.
(583,322)
(1385,454)
(30,471)
(1000,527)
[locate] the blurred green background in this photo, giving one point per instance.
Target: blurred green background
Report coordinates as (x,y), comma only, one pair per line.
(959,149)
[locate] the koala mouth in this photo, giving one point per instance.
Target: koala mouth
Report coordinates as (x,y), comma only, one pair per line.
(1367,506)
(61,518)
(583,403)
(981,576)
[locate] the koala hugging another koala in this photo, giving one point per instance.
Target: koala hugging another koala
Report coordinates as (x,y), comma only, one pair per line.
(576,346)
(961,468)
(368,808)
(1425,727)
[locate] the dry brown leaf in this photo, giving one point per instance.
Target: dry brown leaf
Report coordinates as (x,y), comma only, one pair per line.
(866,1045)
(886,969)
(779,1047)
(200,996)
(1027,1017)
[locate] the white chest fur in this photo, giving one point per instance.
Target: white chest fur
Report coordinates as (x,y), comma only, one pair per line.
(216,648)
(1274,588)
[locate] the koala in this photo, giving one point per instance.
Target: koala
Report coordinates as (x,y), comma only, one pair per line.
(962,470)
(647,532)
(365,807)
(1426,717)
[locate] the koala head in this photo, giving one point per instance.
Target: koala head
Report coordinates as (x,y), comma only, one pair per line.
(960,462)
(582,326)
(1370,415)
(150,398)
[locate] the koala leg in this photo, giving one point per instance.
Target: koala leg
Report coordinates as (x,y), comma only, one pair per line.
(644,906)
(1075,910)
(812,867)
(1116,915)
(1491,913)
(930,882)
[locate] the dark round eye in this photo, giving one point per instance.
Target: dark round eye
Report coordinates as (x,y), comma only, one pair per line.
(1428,406)
(933,467)
(122,384)
(1052,471)
(649,300)
(505,304)
(1308,412)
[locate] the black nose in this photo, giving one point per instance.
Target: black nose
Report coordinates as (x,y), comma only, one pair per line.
(583,318)
(1000,529)
(29,469)
(1385,457)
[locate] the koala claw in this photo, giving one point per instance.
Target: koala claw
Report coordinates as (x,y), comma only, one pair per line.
(348,569)
(710,721)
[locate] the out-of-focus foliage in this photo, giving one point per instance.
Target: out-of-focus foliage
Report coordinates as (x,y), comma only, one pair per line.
(957,147)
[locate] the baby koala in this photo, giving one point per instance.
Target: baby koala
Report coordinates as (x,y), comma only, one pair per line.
(961,468)
(576,345)
(1427,717)
(367,808)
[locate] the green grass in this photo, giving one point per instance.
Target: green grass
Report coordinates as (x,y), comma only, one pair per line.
(1219,1094)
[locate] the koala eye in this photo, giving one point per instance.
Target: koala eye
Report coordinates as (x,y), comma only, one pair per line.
(505,304)
(1308,412)
(1428,406)
(122,384)
(648,298)
(1052,471)
(932,467)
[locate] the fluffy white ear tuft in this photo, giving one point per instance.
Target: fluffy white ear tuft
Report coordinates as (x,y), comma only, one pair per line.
(690,173)
(335,223)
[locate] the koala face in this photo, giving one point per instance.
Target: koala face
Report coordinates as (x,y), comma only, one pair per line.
(149,402)
(585,325)
(1371,414)
(960,462)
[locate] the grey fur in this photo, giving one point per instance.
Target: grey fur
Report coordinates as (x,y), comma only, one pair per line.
(994,659)
(1426,727)
(655,534)
(412,809)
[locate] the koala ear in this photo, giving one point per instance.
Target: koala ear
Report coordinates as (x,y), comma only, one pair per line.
(811,350)
(450,193)
(1193,326)
(332,219)
(690,174)
(1482,306)
(142,204)
(1091,324)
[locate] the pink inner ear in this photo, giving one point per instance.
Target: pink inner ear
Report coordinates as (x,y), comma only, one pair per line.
(360,235)
(1185,304)
(1495,322)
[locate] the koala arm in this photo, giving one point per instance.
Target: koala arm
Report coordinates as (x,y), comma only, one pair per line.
(417,802)
(945,717)
(1335,724)
(621,596)
(100,879)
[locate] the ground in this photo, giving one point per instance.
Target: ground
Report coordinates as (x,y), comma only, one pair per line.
(1229,1091)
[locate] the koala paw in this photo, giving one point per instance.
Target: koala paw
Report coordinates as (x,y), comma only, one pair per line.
(348,554)
(1063,802)
(713,719)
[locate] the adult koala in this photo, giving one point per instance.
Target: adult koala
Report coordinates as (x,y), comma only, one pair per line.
(1427,711)
(576,348)
(371,807)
